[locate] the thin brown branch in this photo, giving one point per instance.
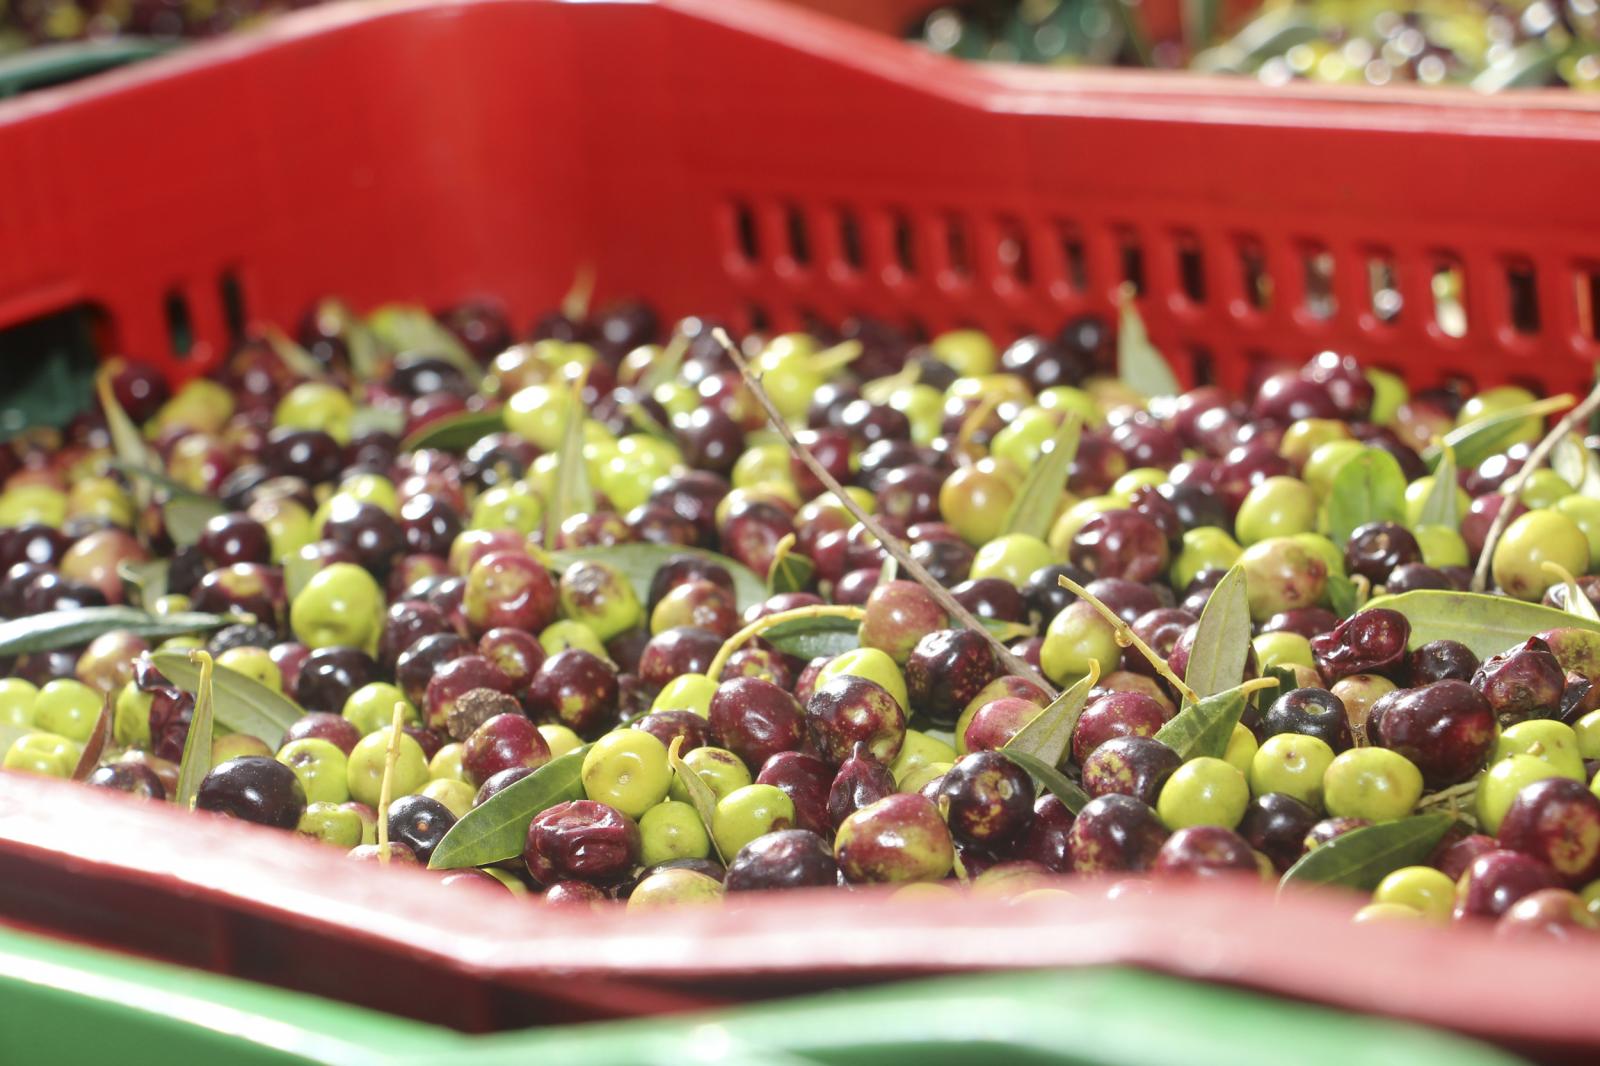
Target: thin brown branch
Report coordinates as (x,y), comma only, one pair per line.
(891,544)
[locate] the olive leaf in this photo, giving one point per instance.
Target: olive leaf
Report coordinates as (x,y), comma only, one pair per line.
(789,572)
(196,760)
(1487,624)
(572,493)
(370,418)
(405,328)
(243,704)
(1204,728)
(1058,784)
(1139,365)
(1578,603)
(701,798)
(186,516)
(146,578)
(334,317)
(663,369)
(96,744)
(639,562)
(132,453)
(497,829)
(1577,464)
(1034,508)
(811,638)
(1362,857)
(1492,434)
(1284,676)
(455,433)
(1222,637)
(1440,508)
(1048,735)
(1369,487)
(80,625)
(293,355)
(298,570)
(1344,595)
(174,488)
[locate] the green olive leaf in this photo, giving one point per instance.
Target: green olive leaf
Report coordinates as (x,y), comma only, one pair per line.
(80,625)
(242,703)
(1362,857)
(1048,734)
(174,488)
(790,572)
(498,829)
(146,579)
(1492,434)
(663,369)
(126,441)
(1439,508)
(1034,508)
(640,561)
(1577,464)
(405,328)
(572,493)
(298,570)
(1222,638)
(290,352)
(370,418)
(811,638)
(96,744)
(1058,784)
(455,433)
(1487,624)
(1577,603)
(1344,595)
(1369,487)
(1139,365)
(196,760)
(186,517)
(701,798)
(1204,728)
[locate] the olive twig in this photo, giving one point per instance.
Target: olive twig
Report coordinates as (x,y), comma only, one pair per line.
(391,759)
(766,622)
(1127,638)
(1513,484)
(1450,795)
(838,357)
(891,544)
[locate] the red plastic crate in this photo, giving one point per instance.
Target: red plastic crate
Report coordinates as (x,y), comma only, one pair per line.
(433,153)
(260,904)
(761,162)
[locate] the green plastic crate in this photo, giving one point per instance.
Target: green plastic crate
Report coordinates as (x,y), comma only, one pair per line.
(66,1004)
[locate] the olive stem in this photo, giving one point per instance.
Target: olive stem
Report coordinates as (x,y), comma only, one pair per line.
(839,356)
(1450,795)
(575,304)
(1257,684)
(1127,638)
(1577,602)
(761,625)
(391,759)
(1512,488)
(891,544)
(970,426)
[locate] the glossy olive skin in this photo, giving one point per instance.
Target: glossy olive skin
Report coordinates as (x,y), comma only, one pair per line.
(1276,825)
(1314,712)
(1115,834)
(785,859)
(581,840)
(946,669)
(990,799)
(1446,729)
(1132,765)
(1524,682)
(848,710)
(1371,642)
(420,822)
(860,782)
(756,719)
(253,788)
